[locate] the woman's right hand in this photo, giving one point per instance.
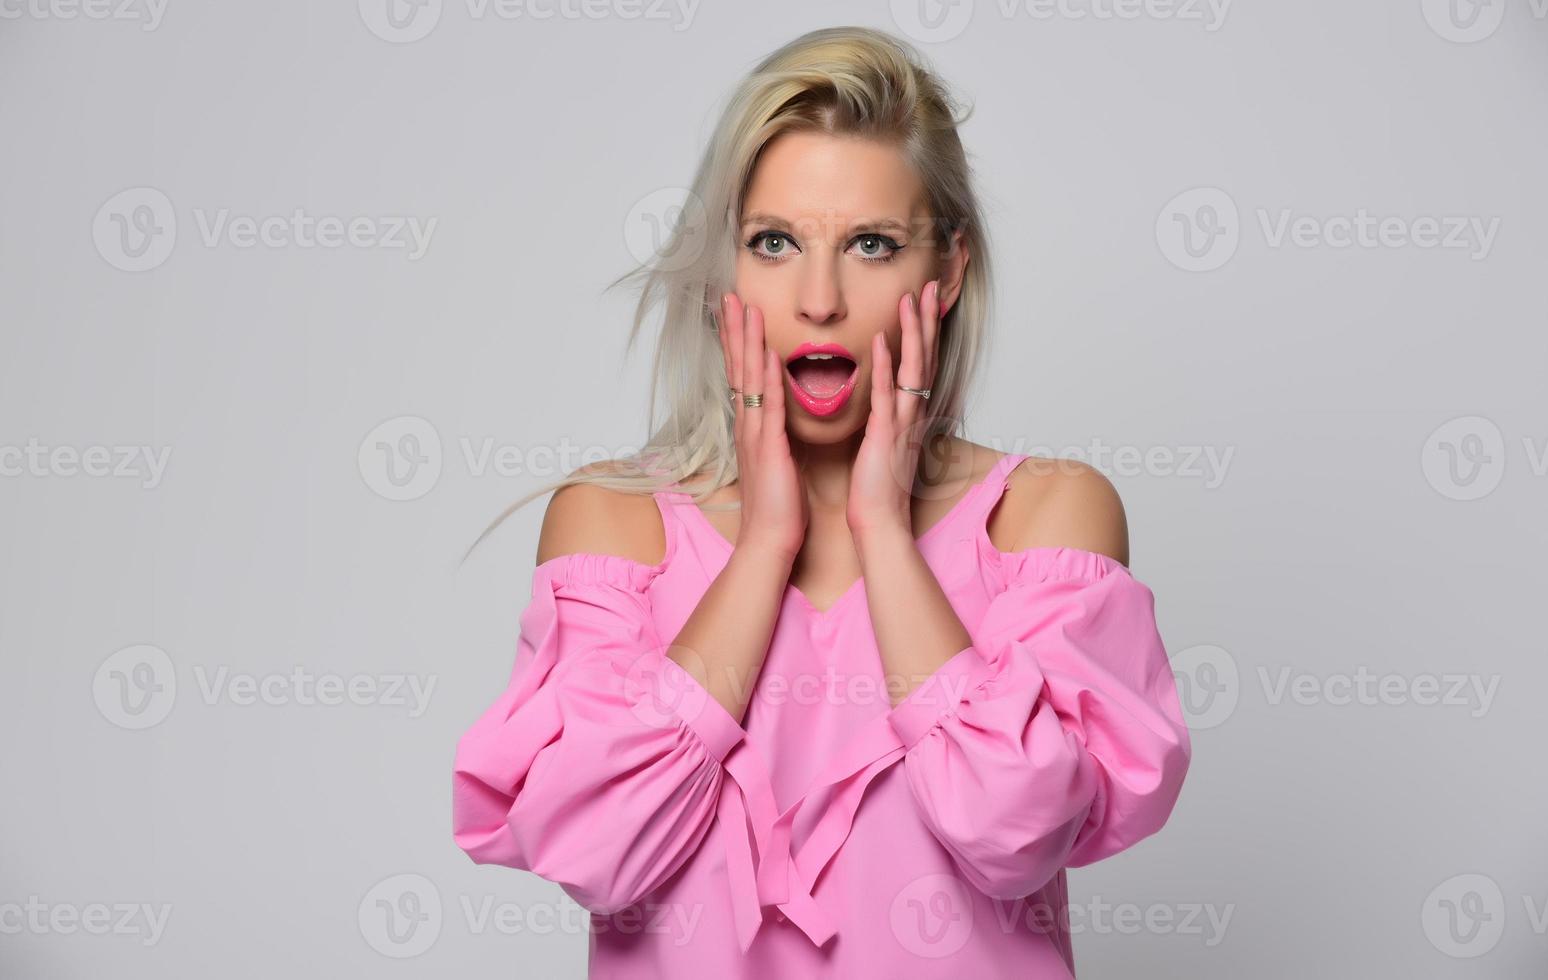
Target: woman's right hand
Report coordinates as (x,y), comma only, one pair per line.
(774,508)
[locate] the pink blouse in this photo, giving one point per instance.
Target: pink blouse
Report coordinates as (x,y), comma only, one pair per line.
(831,834)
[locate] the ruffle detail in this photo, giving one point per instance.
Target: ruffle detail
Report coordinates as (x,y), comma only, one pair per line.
(584,568)
(1050,562)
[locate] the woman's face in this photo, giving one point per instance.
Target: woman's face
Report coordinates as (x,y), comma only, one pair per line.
(834,232)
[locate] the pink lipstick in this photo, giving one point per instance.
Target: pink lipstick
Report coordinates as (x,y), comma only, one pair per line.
(822,376)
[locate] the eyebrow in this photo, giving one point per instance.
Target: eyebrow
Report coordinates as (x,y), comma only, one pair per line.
(878,224)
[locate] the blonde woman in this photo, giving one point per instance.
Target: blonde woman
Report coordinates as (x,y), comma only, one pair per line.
(812,686)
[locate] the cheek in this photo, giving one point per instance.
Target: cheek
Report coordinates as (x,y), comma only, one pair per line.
(750,278)
(754,287)
(894,341)
(879,309)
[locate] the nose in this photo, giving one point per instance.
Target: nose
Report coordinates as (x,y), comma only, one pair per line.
(821,299)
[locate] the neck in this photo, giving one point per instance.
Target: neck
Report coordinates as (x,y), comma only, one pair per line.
(825,469)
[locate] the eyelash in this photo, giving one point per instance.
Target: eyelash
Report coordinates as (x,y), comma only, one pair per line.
(752,246)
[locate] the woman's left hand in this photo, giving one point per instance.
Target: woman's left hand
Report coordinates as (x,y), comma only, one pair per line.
(882,483)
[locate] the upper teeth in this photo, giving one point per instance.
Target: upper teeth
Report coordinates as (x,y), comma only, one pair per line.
(820,357)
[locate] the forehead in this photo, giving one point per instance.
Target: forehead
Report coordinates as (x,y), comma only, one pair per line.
(817,177)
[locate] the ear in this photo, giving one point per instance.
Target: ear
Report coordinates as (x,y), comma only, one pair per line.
(953,271)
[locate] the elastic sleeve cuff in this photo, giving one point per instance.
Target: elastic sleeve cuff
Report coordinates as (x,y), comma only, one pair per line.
(679,693)
(931,701)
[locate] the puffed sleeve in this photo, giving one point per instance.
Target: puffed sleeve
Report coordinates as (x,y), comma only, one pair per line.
(598,766)
(1057,738)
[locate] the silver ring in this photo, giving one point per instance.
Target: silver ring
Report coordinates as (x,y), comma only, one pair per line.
(921,392)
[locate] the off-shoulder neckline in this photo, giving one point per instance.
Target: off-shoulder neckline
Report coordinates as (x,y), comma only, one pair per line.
(624,571)
(1073,562)
(997,473)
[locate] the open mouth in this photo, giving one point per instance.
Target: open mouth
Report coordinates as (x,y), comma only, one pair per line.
(822,371)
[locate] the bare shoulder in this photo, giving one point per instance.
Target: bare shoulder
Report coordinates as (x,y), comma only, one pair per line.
(1065,503)
(584,518)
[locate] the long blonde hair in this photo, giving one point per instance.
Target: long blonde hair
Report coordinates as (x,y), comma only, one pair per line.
(843,81)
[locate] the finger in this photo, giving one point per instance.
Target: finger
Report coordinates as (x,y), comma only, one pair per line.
(723,336)
(911,370)
(735,333)
(774,401)
(932,334)
(752,371)
(882,395)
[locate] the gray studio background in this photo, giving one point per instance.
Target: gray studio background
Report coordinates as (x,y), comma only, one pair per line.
(1276,268)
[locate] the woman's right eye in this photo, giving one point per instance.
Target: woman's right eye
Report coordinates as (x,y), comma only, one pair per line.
(770,237)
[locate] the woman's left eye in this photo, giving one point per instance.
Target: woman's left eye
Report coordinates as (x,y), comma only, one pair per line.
(871,242)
